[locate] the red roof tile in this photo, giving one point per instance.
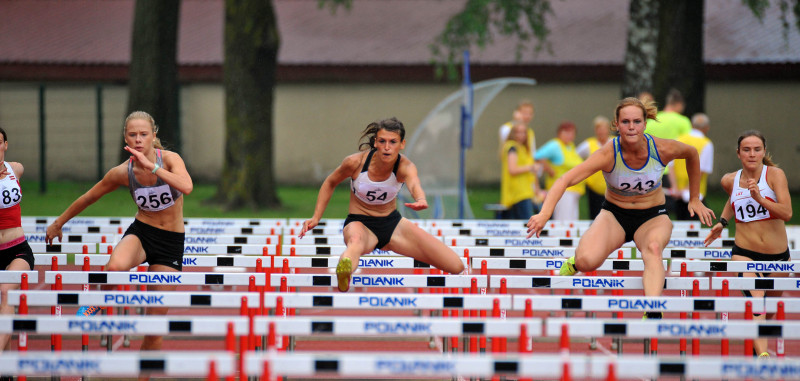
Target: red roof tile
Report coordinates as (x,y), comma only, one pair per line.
(372,32)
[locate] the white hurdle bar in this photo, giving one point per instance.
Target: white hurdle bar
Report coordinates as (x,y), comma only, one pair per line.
(16,276)
(233,230)
(192,260)
(376,280)
(709,253)
(662,304)
(753,283)
(47,259)
(674,328)
(119,364)
(150,278)
(593,282)
(233,299)
(296,326)
(737,266)
(365,262)
(395,365)
(66,247)
(554,264)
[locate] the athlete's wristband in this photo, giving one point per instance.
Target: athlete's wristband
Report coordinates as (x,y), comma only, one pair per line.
(155,168)
(723,222)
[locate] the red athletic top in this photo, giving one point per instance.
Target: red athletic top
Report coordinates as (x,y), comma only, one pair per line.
(10,197)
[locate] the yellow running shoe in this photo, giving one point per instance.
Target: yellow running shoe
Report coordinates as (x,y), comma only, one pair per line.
(568,267)
(764,355)
(343,271)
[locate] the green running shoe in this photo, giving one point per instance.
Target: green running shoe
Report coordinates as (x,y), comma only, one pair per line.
(343,271)
(568,267)
(652,315)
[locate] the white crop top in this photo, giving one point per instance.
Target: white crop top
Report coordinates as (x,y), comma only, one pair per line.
(626,181)
(745,208)
(376,192)
(10,191)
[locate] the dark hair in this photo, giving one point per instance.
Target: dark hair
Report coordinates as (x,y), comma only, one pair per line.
(391,125)
(674,96)
(767,160)
(2,131)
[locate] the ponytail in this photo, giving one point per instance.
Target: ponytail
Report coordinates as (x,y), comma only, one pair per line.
(371,132)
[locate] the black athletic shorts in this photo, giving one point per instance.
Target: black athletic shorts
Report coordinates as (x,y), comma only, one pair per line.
(632,219)
(20,250)
(382,227)
(161,247)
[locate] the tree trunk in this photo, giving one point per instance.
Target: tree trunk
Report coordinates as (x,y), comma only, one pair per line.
(640,54)
(251,59)
(153,83)
(679,63)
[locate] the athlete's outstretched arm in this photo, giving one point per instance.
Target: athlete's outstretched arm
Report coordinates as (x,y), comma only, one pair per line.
(409,175)
(599,160)
(343,171)
(112,180)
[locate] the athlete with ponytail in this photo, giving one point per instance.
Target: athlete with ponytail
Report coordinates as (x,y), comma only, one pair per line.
(157,179)
(377,174)
(761,204)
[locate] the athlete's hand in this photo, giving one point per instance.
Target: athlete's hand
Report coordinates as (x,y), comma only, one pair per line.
(138,156)
(705,214)
(755,193)
(53,231)
(418,204)
(535,224)
(308,225)
(715,233)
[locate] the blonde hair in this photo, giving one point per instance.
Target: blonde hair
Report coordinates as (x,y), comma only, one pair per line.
(147,117)
(647,106)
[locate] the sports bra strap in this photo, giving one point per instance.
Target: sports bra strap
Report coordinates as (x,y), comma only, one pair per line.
(369,158)
(366,162)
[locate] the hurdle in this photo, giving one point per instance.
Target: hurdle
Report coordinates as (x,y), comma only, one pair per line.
(365,262)
(736,266)
(736,283)
(553,264)
(119,364)
(709,253)
(594,282)
(17,276)
(241,261)
(673,328)
(375,280)
(150,278)
(603,303)
(46,259)
(214,299)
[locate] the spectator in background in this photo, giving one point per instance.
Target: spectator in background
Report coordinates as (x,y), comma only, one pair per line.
(560,156)
(523,113)
(595,184)
(697,138)
(517,178)
(670,123)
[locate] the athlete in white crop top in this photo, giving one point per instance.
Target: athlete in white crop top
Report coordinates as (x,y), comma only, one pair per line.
(157,234)
(634,209)
(376,176)
(760,203)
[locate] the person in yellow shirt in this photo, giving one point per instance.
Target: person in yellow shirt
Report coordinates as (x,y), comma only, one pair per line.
(697,138)
(595,184)
(561,156)
(518,167)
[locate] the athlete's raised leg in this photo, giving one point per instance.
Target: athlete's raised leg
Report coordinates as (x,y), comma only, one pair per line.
(410,240)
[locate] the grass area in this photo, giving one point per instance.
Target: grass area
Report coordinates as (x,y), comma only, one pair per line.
(298,202)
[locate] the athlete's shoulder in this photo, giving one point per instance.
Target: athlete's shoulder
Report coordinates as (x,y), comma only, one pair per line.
(727,180)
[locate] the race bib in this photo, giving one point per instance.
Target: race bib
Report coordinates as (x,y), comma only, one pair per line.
(153,199)
(10,194)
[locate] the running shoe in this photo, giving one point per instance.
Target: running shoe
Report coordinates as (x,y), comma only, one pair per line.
(88,310)
(652,315)
(568,267)
(343,271)
(764,355)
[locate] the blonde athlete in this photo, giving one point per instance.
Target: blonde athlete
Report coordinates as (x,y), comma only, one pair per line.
(634,207)
(761,204)
(157,179)
(376,177)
